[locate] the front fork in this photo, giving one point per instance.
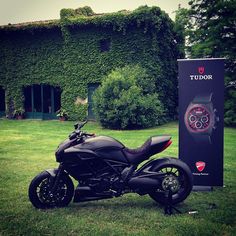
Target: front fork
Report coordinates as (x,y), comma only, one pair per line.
(55,177)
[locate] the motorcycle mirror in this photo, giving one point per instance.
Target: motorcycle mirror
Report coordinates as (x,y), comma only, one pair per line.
(80,125)
(83,123)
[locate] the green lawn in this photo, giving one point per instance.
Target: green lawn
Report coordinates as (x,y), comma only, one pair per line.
(27,147)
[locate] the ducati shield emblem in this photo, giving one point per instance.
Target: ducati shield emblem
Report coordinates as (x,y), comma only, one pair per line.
(201,70)
(200,165)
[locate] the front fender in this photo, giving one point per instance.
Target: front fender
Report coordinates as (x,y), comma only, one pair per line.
(52,172)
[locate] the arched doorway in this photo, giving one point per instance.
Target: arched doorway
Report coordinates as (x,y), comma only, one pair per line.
(42,101)
(2,102)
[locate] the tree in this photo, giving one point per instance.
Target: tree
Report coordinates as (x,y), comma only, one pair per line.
(182,25)
(209,30)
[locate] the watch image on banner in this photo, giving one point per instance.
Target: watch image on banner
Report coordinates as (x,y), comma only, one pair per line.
(201,117)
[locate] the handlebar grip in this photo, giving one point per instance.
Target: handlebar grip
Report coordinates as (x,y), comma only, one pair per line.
(89,134)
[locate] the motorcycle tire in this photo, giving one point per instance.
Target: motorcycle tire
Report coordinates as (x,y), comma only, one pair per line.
(177,171)
(39,191)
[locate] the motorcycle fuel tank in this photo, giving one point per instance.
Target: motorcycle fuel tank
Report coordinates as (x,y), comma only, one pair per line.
(99,146)
(100,142)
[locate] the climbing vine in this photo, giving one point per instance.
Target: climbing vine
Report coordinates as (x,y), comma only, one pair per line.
(66,53)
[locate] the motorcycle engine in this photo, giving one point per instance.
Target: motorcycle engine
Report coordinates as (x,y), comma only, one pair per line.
(99,185)
(105,184)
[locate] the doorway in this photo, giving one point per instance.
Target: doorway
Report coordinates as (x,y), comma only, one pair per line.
(42,101)
(91,89)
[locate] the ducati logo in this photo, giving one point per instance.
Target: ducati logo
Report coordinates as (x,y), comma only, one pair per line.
(201,70)
(200,165)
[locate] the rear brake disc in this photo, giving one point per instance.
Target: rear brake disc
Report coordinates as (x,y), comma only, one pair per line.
(170,182)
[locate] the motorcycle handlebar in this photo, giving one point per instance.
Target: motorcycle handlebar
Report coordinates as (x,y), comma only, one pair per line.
(78,133)
(87,134)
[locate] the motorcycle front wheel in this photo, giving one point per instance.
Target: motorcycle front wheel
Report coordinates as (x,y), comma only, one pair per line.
(42,196)
(177,179)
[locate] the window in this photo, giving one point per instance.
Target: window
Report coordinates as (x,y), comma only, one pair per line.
(28,99)
(37,98)
(105,45)
(42,98)
(47,99)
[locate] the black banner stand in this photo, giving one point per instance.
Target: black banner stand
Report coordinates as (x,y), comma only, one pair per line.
(201,120)
(202,188)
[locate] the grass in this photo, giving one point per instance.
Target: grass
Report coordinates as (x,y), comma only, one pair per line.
(27,147)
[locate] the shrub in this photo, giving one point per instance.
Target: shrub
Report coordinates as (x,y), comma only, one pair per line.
(64,13)
(81,11)
(84,11)
(126,100)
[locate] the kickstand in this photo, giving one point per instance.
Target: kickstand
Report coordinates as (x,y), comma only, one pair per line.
(169,205)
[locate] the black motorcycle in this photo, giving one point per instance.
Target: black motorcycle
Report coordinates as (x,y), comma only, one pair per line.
(105,168)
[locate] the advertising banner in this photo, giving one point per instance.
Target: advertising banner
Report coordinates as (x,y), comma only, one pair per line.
(201,118)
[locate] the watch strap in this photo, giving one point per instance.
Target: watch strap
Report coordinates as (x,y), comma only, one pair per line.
(203,98)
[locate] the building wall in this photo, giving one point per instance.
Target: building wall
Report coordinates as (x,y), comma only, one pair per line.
(73,59)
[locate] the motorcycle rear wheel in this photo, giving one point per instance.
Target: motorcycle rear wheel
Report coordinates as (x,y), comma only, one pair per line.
(179,175)
(40,193)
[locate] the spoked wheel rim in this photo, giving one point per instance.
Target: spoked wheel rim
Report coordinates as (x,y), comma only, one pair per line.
(42,196)
(176,179)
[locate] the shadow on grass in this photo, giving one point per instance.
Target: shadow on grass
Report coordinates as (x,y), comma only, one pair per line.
(124,205)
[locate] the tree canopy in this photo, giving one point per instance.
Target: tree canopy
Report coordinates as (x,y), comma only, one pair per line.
(209,30)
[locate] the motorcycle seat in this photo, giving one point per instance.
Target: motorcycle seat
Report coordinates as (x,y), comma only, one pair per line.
(152,146)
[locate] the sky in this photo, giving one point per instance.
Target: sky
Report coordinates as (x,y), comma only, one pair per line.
(19,11)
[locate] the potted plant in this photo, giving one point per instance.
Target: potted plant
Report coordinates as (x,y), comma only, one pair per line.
(19,113)
(62,114)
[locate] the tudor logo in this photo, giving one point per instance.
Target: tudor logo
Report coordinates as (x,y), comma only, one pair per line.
(201,76)
(200,165)
(201,70)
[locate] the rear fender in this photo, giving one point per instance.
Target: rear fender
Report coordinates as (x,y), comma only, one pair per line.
(146,169)
(146,179)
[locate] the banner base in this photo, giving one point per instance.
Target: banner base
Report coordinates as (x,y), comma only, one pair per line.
(202,188)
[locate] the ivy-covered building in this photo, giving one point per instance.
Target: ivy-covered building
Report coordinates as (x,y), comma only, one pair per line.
(52,64)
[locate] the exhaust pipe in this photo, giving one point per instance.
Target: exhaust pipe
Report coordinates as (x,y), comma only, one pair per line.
(85,193)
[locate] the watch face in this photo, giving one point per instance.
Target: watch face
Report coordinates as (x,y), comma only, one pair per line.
(198,118)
